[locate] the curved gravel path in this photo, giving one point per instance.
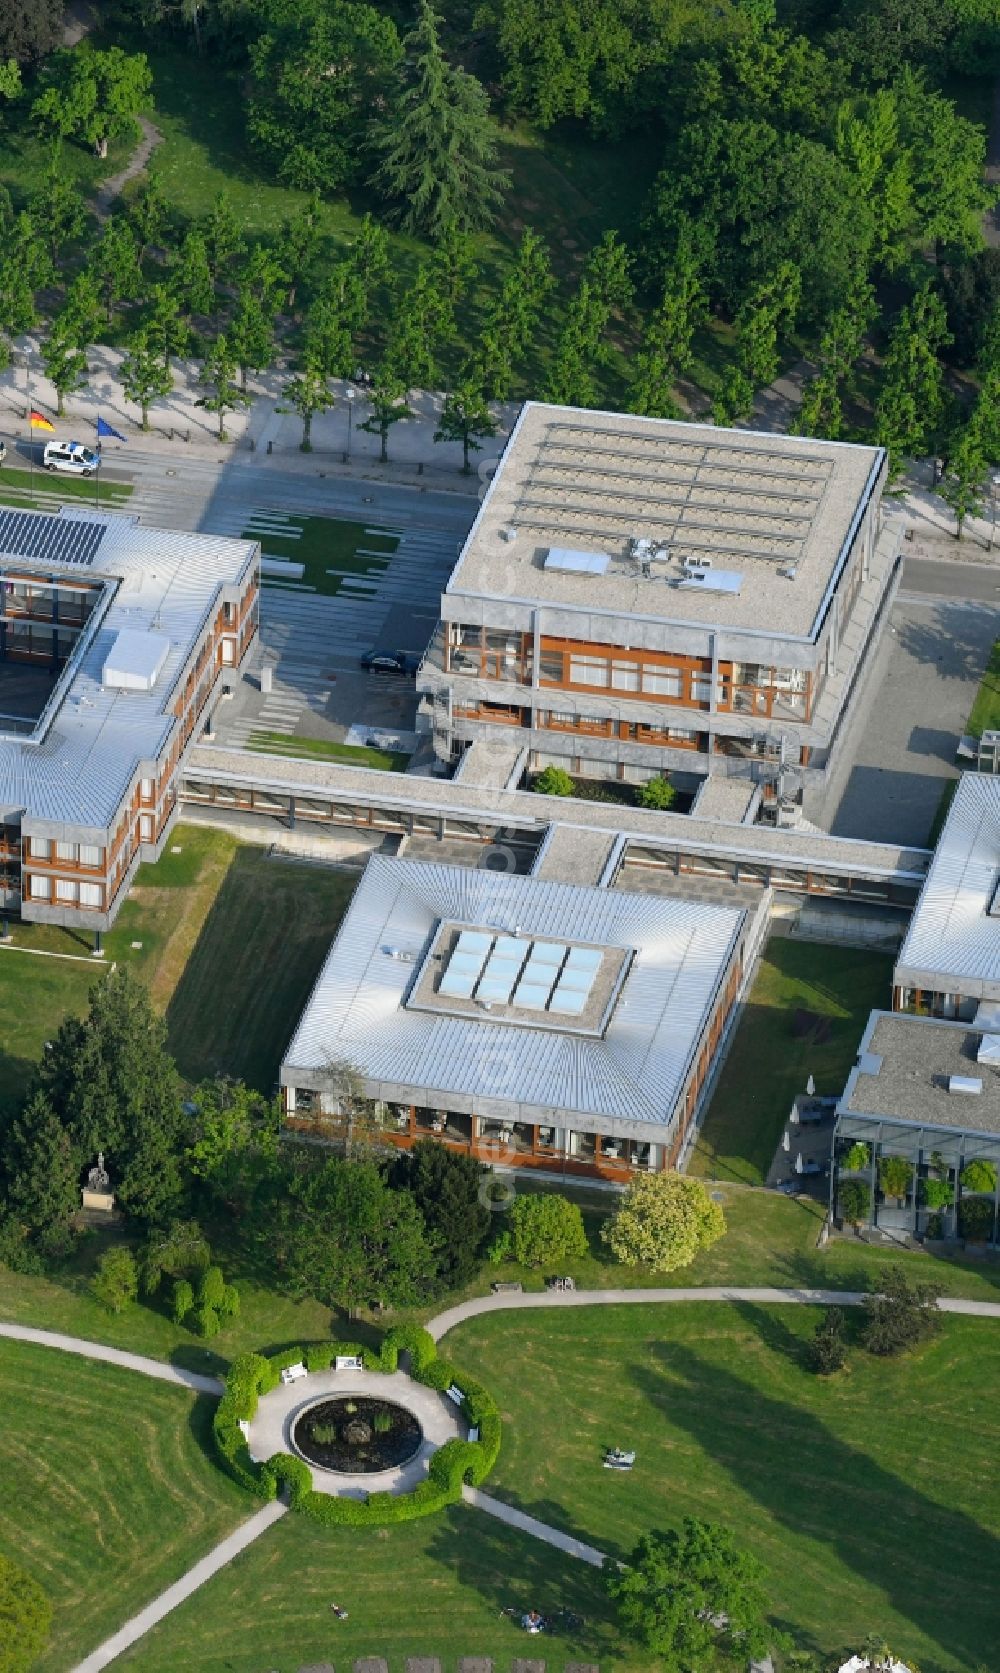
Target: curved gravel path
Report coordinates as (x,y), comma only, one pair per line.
(113,1356)
(114,186)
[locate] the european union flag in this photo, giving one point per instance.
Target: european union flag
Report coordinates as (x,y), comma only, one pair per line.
(104,429)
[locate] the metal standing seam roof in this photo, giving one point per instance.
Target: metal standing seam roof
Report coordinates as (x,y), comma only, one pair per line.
(357,1014)
(952,939)
(164,583)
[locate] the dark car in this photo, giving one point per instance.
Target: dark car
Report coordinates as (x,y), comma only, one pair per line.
(391,662)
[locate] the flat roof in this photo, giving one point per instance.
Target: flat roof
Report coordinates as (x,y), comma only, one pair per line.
(753,505)
(157,582)
(631,1068)
(953,943)
(904,1067)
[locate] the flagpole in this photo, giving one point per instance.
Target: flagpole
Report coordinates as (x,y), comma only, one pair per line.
(31,433)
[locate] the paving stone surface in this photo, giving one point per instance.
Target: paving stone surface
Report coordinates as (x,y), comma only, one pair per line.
(371,1664)
(423,1664)
(318,1667)
(475,1664)
(581,1667)
(527,1667)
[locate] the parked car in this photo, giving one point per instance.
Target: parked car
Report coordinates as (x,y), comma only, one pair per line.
(391,662)
(72,457)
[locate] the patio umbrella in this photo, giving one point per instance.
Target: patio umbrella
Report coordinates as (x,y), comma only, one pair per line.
(810,1087)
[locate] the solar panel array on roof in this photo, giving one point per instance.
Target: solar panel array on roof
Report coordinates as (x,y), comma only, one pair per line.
(31,534)
(512,970)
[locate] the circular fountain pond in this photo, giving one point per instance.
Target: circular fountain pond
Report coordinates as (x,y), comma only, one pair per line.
(356,1434)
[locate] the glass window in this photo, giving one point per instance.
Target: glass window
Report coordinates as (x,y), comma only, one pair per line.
(146,789)
(65,890)
(90,894)
(41,848)
(588,670)
(680,734)
(701,688)
(625,676)
(90,854)
(662,682)
(66,851)
(550,666)
(41,888)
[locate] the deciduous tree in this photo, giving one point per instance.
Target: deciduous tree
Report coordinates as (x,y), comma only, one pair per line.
(546,1230)
(307,394)
(93,96)
(466,418)
(447,1187)
(115,265)
(26,1617)
(663,1221)
(347,1239)
(899,1315)
(387,399)
(116,1282)
(218,376)
(690,1595)
(145,377)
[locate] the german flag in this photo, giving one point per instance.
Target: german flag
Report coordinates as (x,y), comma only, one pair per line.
(40,422)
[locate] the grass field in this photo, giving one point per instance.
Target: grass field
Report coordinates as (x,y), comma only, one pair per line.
(109,1489)
(44,490)
(256,958)
(867,1496)
(324,749)
(431,1588)
(772,1055)
(984,715)
(328,548)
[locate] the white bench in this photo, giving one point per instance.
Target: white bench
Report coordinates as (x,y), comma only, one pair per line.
(292,1373)
(455,1393)
(348,1362)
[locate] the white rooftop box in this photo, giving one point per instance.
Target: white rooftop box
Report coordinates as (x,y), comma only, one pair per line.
(134,661)
(577,563)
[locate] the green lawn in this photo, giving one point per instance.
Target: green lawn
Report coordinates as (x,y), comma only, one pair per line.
(323,749)
(248,976)
(774,1053)
(867,1496)
(325,545)
(429,1588)
(42,488)
(110,1493)
(985,713)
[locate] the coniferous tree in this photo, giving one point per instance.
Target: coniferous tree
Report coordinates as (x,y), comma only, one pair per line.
(510,325)
(42,1165)
(437,147)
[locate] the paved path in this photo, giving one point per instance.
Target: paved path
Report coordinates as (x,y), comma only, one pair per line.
(113,187)
(113,1356)
(154,1612)
(531,1525)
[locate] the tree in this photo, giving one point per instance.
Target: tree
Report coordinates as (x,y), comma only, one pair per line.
(546,1230)
(689,1593)
(115,264)
(665,354)
(899,1316)
(114,1088)
(828,1350)
(26,1617)
(307,394)
(30,29)
(447,1188)
(511,324)
(64,361)
(346,1238)
(657,793)
(854,1198)
(178,1250)
(963,484)
(436,146)
(191,276)
(663,1221)
(251,333)
(11,85)
(554,781)
(465,417)
(148,216)
(42,1165)
(605,287)
(387,399)
(116,1282)
(422,322)
(235,1135)
(733,399)
(911,399)
(217,376)
(318,71)
(92,96)
(895,1175)
(297,244)
(144,376)
(168,332)
(223,239)
(58,211)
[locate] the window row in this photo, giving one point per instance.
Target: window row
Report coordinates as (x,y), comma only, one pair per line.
(66,853)
(65,890)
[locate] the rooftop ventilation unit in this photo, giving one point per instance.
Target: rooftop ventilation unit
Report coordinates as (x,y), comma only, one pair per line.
(689,562)
(965,1083)
(571,562)
(704,580)
(789,572)
(508,534)
(134,661)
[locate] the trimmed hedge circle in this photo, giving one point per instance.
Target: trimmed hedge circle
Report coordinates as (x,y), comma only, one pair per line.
(455,1463)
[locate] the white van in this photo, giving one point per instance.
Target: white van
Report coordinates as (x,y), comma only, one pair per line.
(71,456)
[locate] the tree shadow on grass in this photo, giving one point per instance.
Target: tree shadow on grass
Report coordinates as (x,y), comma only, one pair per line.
(919,1552)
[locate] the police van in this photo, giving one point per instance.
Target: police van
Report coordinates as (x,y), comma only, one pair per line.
(71,456)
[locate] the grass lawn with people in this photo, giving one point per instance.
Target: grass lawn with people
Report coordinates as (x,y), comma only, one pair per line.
(804,1016)
(109,1486)
(865,1495)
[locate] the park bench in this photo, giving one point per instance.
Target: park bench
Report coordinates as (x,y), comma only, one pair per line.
(618,1460)
(292,1373)
(348,1362)
(506,1289)
(455,1393)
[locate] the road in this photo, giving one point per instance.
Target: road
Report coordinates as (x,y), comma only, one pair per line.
(948,578)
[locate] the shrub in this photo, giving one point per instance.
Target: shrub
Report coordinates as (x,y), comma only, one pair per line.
(181,1251)
(229,1304)
(975,1218)
(895,1174)
(25,1617)
(284,1469)
(935,1227)
(657,793)
(382,1423)
(936,1193)
(204,1321)
(411,1339)
(979,1176)
(546,1229)
(855,1199)
(211,1287)
(828,1350)
(553,781)
(899,1316)
(181,1300)
(664,1220)
(501,1249)
(116,1282)
(857,1158)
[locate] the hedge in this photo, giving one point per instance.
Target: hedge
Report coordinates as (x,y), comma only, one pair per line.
(455,1463)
